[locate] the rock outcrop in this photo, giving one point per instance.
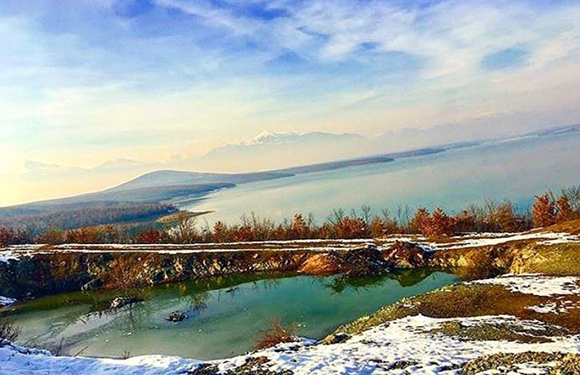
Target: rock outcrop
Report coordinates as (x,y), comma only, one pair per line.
(404,254)
(55,271)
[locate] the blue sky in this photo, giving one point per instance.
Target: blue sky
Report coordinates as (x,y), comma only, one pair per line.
(84,81)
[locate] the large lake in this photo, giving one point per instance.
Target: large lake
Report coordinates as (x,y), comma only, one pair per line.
(514,170)
(225,314)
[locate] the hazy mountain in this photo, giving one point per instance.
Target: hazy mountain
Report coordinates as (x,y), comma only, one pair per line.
(273,150)
(123,164)
(267,138)
(405,139)
(283,152)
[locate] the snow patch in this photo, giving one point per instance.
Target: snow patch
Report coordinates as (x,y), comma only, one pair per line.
(537,284)
(491,239)
(6,301)
(457,242)
(405,343)
(559,306)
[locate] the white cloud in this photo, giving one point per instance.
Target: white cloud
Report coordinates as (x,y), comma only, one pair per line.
(99,86)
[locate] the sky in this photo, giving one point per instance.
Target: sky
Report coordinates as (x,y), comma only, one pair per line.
(84,82)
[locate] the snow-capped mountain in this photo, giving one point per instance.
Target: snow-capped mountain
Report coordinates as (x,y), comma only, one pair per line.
(276,138)
(270,150)
(267,138)
(121,163)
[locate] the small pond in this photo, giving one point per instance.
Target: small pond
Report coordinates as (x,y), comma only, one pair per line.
(225,314)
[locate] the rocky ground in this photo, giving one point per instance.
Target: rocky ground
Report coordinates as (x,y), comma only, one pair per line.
(493,326)
(524,321)
(36,270)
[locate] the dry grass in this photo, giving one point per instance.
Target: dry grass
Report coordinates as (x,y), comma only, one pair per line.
(505,331)
(469,301)
(275,335)
(554,363)
(320,264)
(571,226)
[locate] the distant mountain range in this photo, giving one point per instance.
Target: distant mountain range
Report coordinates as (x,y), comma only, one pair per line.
(156,183)
(273,150)
(268,138)
(166,186)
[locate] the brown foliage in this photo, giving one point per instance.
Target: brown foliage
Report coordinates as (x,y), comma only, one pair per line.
(420,220)
(52,237)
(435,225)
(220,232)
(439,225)
(544,212)
(351,227)
(10,236)
(125,274)
(490,216)
(377,227)
(150,236)
(275,335)
(565,211)
(299,228)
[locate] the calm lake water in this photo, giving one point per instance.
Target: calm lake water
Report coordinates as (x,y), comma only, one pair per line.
(514,170)
(225,314)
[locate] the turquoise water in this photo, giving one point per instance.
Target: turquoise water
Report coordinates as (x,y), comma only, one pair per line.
(224,314)
(515,170)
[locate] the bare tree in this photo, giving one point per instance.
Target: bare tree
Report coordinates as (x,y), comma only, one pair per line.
(185,231)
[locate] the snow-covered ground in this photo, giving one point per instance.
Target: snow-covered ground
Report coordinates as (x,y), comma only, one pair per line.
(411,345)
(401,346)
(559,306)
(490,239)
(406,343)
(538,285)
(6,301)
(457,242)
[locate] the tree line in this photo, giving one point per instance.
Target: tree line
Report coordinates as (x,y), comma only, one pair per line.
(37,221)
(490,216)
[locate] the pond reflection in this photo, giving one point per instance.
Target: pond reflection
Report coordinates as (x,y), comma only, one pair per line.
(224,314)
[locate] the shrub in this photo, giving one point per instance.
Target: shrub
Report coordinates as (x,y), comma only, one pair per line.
(439,225)
(391,225)
(565,211)
(420,220)
(125,274)
(544,212)
(185,231)
(507,219)
(572,194)
(466,221)
(52,236)
(275,335)
(377,227)
(299,228)
(11,236)
(221,232)
(150,236)
(8,331)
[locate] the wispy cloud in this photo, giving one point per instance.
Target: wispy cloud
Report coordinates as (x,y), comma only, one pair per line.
(163,77)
